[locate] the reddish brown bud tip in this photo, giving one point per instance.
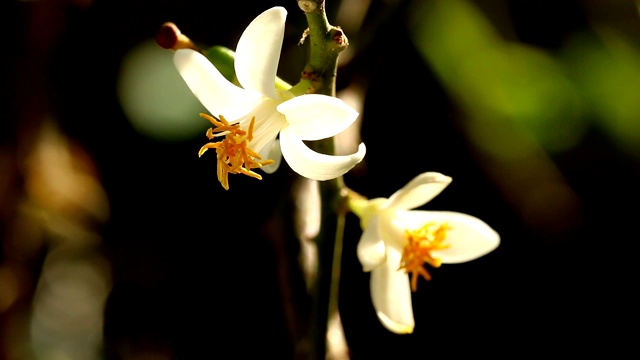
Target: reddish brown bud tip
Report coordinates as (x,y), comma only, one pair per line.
(167,36)
(170,37)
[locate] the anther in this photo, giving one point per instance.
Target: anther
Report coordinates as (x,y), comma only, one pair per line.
(233,153)
(417,251)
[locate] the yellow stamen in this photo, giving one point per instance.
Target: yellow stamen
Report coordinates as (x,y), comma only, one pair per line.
(233,153)
(417,252)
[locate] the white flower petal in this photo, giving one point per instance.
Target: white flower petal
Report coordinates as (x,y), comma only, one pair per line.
(391,295)
(311,164)
(215,92)
(419,191)
(272,152)
(268,123)
(469,237)
(315,117)
(258,52)
(367,209)
(392,230)
(371,249)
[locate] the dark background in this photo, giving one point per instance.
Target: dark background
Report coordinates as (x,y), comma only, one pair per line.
(195,271)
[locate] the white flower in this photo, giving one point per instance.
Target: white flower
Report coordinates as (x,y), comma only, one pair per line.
(272,111)
(396,242)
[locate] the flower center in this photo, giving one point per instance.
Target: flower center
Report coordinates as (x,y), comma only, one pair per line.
(417,252)
(234,154)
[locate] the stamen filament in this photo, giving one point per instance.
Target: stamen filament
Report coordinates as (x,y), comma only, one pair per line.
(417,251)
(233,153)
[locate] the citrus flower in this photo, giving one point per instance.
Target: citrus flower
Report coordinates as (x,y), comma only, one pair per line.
(397,241)
(257,112)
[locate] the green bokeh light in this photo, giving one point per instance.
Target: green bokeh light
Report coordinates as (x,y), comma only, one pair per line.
(154,97)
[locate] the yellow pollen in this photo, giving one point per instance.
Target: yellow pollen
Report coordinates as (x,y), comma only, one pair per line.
(417,252)
(233,153)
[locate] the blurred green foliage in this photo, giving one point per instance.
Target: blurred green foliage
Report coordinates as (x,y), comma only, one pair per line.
(512,90)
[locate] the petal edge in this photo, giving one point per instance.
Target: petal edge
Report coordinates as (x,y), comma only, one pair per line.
(314,165)
(214,91)
(469,237)
(419,191)
(391,295)
(258,52)
(371,249)
(315,117)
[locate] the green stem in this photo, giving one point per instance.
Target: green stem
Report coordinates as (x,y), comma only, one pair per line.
(325,44)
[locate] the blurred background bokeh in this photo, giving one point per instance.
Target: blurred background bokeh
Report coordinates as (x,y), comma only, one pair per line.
(117,242)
